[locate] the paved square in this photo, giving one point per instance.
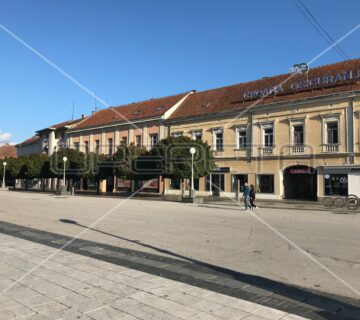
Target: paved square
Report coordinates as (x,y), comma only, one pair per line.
(71,286)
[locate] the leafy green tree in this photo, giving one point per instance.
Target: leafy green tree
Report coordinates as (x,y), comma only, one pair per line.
(76,165)
(171,158)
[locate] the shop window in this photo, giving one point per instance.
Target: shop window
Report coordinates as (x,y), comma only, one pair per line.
(265,183)
(175,184)
(336,184)
(238,177)
(196,184)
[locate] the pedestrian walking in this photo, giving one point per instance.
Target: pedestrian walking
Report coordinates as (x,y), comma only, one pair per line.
(246,195)
(252,197)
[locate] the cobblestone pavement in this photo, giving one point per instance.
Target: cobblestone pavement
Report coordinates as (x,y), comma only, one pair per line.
(72,286)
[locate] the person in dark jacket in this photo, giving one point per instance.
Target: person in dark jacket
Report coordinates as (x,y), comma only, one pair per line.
(252,197)
(246,195)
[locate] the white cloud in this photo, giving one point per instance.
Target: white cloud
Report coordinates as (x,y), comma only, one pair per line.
(5,137)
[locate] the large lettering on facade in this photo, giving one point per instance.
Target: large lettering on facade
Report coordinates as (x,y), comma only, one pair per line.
(305,84)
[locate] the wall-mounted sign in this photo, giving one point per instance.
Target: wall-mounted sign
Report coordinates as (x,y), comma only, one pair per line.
(303,84)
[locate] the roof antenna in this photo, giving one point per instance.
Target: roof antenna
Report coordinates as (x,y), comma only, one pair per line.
(73,110)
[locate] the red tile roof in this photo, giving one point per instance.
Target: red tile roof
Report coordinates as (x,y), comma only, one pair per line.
(241,96)
(7,151)
(33,139)
(130,112)
(63,124)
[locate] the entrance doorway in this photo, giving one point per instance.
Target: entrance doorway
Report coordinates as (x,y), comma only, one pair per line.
(217,181)
(300,182)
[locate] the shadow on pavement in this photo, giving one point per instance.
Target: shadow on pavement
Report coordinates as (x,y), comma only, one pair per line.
(304,302)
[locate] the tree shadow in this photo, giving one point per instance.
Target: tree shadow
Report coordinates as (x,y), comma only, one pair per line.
(324,305)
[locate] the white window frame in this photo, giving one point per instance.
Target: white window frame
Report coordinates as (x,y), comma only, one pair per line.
(325,120)
(239,129)
(136,142)
(293,124)
(265,126)
(197,133)
(177,134)
(215,131)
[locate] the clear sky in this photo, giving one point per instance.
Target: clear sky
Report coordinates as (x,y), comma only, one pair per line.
(130,50)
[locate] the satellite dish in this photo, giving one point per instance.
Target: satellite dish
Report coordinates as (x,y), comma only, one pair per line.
(299,68)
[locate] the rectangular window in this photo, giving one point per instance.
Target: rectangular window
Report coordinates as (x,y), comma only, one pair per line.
(197,135)
(236,178)
(110,146)
(97,146)
(336,184)
(219,140)
(138,141)
(153,140)
(242,138)
(265,183)
(124,141)
(269,137)
(86,147)
(77,146)
(175,184)
(208,183)
(332,132)
(177,134)
(298,135)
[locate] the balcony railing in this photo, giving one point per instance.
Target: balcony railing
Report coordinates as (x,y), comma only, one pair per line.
(298,149)
(267,151)
(331,148)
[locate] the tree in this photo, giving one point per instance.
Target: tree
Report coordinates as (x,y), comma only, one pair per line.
(171,158)
(76,165)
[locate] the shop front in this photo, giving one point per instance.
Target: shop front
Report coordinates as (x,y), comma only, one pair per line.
(341,181)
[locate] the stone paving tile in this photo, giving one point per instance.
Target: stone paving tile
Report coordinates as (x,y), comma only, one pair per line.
(165,305)
(138,309)
(228,313)
(17,312)
(70,286)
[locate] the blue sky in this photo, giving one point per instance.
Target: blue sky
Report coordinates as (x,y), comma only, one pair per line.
(130,50)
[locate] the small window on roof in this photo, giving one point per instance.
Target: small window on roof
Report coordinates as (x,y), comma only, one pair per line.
(160,108)
(205,105)
(137,112)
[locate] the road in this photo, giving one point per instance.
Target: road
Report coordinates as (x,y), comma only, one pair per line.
(265,244)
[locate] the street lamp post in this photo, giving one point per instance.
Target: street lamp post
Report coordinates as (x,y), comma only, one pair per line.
(192,152)
(3,182)
(64,178)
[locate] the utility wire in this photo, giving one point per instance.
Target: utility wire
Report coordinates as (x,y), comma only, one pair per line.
(319,28)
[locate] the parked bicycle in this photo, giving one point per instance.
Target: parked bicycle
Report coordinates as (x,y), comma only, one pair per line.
(351,202)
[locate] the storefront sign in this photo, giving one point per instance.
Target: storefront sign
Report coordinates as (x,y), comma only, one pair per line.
(300,171)
(221,170)
(304,84)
